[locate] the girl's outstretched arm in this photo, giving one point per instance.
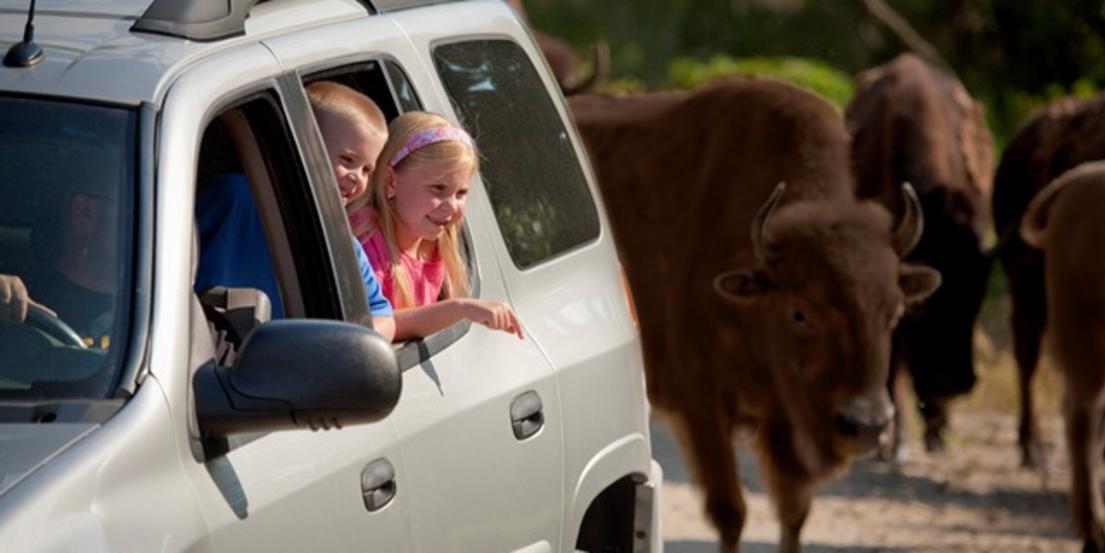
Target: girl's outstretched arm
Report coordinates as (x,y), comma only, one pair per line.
(419,322)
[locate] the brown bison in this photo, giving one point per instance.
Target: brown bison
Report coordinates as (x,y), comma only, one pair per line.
(1065,221)
(562,60)
(763,306)
(1056,139)
(913,123)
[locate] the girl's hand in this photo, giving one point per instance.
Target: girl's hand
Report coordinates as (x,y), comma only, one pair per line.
(493,314)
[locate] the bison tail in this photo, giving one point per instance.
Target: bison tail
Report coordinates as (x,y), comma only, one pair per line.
(1033,226)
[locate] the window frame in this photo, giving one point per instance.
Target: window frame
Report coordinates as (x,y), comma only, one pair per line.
(313,296)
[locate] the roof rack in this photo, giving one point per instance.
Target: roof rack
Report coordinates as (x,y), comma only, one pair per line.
(206,20)
(195,19)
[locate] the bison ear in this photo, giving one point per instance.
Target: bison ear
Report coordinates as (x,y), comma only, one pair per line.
(743,286)
(917,282)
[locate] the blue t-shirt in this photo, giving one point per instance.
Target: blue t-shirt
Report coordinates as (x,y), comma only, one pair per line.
(234,251)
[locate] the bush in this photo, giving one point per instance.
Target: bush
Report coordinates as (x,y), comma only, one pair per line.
(832,84)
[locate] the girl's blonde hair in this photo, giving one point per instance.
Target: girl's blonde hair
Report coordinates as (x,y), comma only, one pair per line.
(401,130)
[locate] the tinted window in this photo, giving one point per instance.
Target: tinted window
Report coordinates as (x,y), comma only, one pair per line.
(66,212)
(401,85)
(529,167)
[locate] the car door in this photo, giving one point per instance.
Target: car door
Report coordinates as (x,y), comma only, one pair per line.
(558,264)
(479,416)
(293,490)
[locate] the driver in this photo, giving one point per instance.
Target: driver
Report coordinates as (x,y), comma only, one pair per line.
(79,285)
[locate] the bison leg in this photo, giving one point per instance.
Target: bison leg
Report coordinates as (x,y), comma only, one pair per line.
(1027,332)
(707,438)
(789,484)
(1084,445)
(892,452)
(793,499)
(935,413)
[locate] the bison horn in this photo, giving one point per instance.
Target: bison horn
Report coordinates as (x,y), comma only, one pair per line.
(759,222)
(912,224)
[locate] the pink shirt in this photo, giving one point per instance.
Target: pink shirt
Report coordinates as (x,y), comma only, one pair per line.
(427,277)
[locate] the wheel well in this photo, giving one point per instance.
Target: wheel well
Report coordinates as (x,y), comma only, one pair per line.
(609,525)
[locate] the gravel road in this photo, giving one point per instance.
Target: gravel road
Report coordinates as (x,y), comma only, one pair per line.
(972,498)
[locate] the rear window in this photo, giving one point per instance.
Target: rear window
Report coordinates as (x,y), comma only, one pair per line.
(66,190)
(529,167)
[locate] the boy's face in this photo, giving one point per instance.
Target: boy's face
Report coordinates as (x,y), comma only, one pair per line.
(353,149)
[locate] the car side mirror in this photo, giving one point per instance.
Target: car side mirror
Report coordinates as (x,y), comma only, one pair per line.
(315,374)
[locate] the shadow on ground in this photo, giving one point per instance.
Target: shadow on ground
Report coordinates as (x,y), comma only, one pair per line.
(872,479)
(753,547)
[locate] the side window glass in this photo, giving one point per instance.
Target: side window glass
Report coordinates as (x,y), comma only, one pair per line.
(401,86)
(260,242)
(529,168)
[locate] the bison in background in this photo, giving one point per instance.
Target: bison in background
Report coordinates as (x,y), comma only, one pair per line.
(1054,140)
(1065,220)
(763,306)
(913,123)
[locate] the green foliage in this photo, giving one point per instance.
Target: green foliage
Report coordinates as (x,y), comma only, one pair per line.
(829,82)
(1013,55)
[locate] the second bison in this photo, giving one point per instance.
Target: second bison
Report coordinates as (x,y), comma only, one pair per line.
(913,123)
(763,306)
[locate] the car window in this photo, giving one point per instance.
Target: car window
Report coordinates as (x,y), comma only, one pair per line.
(67,175)
(387,84)
(401,87)
(257,223)
(533,177)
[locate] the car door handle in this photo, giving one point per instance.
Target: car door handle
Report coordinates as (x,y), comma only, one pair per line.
(526,415)
(378,484)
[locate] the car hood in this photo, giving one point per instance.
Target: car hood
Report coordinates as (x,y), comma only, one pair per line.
(26,447)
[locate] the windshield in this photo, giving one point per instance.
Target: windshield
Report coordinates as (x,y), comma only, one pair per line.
(66,197)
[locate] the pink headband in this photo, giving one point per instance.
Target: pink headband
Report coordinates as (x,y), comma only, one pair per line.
(430,136)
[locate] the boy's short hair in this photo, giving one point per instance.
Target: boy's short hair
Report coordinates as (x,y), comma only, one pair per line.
(331,98)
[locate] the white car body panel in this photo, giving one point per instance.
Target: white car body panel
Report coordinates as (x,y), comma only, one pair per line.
(141,480)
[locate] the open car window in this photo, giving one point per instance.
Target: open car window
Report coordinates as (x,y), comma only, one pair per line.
(386,83)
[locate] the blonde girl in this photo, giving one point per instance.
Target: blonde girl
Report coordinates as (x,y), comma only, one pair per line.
(409,222)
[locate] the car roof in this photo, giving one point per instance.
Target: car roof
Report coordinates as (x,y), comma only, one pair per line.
(91,52)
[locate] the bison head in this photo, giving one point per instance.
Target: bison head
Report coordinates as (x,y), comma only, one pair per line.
(818,310)
(936,340)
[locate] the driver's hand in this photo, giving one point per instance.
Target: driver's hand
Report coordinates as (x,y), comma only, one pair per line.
(13,299)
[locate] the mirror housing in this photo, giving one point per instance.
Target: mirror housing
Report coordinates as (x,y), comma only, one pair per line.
(290,374)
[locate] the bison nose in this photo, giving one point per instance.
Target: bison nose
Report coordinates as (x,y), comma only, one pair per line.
(865,421)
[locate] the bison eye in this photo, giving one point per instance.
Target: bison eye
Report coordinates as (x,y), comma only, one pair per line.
(798,316)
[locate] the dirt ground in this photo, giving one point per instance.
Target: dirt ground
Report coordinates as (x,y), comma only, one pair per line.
(974,497)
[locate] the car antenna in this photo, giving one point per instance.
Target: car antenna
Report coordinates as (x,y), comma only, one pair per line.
(25,53)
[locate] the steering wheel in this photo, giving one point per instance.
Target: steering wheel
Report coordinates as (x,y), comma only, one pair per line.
(52,326)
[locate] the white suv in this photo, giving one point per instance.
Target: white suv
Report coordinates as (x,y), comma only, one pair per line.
(138,415)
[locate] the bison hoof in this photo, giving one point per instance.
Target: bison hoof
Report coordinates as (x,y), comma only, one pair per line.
(1032,455)
(934,442)
(894,454)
